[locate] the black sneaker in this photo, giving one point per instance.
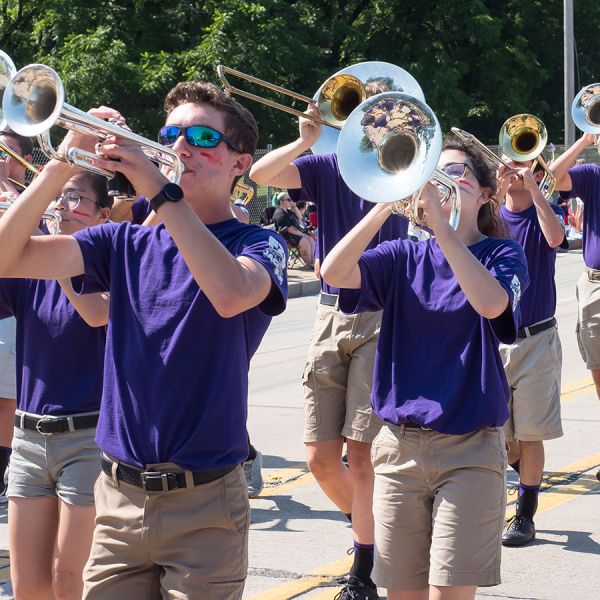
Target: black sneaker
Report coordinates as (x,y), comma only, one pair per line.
(520,532)
(356,589)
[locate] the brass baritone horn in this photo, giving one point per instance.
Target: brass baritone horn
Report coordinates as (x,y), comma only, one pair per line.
(337,97)
(34,101)
(242,192)
(522,138)
(389,149)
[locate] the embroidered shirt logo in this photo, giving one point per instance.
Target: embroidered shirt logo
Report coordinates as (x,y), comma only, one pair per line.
(275,254)
(515,286)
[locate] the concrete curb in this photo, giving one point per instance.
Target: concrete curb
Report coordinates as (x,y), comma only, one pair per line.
(297,289)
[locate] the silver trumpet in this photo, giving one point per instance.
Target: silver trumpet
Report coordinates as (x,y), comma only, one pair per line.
(388,150)
(34,102)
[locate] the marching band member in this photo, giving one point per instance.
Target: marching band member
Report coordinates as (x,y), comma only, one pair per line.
(12,180)
(55,458)
(339,367)
(533,362)
(190,301)
(439,385)
(583,181)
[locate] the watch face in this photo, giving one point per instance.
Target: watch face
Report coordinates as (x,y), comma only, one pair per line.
(173,192)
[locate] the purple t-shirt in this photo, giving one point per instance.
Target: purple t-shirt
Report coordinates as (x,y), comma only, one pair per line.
(586,185)
(339,209)
(176,373)
(437,362)
(140,210)
(60,358)
(538,302)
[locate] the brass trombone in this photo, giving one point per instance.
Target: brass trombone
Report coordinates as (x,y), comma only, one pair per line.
(337,97)
(34,101)
(523,137)
(469,139)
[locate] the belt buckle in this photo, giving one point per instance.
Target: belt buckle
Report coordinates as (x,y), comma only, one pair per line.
(165,479)
(44,419)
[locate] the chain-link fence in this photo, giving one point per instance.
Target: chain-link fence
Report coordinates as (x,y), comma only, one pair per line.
(262,194)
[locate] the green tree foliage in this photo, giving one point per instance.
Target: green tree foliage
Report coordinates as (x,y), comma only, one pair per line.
(478,61)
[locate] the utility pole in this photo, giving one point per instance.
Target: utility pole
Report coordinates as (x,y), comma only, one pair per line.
(569,65)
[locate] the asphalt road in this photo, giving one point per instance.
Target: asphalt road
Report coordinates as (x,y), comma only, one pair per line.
(299,541)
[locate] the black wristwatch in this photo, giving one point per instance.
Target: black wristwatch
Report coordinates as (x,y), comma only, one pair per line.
(170,193)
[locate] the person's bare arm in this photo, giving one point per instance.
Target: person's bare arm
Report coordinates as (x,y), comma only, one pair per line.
(38,257)
(93,308)
(551,227)
(560,166)
(232,285)
(276,167)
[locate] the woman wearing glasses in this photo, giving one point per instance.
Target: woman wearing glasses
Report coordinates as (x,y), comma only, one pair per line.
(439,384)
(55,459)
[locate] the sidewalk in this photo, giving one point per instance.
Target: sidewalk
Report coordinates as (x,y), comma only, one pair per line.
(302,282)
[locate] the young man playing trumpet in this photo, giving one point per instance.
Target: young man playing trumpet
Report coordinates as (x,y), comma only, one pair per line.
(339,367)
(190,301)
(533,362)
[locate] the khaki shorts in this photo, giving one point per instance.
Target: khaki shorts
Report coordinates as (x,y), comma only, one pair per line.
(338,377)
(438,504)
(532,367)
(188,543)
(8,361)
(61,465)
(588,319)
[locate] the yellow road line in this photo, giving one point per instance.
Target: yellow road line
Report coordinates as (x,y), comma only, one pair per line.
(558,493)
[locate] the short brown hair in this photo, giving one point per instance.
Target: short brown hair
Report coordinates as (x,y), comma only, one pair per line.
(239,122)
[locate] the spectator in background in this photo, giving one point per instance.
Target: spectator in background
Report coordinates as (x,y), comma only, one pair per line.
(289,225)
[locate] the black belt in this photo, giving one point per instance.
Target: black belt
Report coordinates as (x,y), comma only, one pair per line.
(411,425)
(48,426)
(328,299)
(160,481)
(525,332)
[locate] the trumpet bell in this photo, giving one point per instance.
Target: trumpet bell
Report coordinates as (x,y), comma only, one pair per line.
(33,100)
(523,137)
(389,147)
(350,87)
(585,109)
(7,72)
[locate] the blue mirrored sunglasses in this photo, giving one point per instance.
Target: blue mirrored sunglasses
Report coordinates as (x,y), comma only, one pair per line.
(198,136)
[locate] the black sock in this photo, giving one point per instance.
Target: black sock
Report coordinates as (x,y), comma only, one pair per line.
(528,500)
(363,562)
(516,466)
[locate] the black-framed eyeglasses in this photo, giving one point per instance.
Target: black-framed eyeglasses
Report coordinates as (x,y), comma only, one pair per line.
(457,170)
(198,136)
(71,200)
